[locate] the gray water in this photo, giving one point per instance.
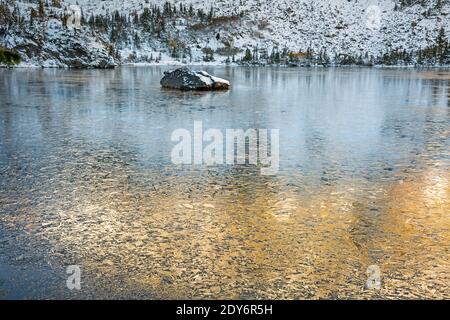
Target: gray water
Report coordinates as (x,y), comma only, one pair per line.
(86,179)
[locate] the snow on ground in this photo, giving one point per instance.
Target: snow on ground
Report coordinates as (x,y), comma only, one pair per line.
(339,26)
(356,27)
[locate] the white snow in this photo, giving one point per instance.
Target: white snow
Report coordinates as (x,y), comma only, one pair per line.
(331,26)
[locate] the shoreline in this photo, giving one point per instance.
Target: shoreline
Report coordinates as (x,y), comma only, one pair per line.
(203,64)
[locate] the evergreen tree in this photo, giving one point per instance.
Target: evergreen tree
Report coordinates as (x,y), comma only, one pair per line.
(255,53)
(211,15)
(208,54)
(247,56)
(41,9)
(33,15)
(441,45)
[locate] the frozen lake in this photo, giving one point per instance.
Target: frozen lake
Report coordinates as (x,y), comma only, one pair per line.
(86,179)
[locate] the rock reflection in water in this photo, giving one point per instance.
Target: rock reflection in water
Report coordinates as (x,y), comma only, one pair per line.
(86,179)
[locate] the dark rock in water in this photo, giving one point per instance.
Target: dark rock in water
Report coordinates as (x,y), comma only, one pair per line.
(187,79)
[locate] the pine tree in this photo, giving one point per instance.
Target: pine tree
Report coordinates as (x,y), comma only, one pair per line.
(41,9)
(255,54)
(248,55)
(33,15)
(209,54)
(211,15)
(441,45)
(200,14)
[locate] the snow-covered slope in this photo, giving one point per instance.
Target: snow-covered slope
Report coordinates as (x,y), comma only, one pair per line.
(341,26)
(47,43)
(359,28)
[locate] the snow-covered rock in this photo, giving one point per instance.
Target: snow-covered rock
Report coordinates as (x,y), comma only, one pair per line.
(47,42)
(187,79)
(61,47)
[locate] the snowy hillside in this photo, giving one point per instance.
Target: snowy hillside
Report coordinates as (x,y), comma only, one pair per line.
(339,26)
(262,31)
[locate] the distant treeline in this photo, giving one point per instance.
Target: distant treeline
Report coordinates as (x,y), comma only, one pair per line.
(435,54)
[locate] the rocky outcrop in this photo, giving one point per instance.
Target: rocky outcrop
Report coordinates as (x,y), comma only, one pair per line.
(187,79)
(49,44)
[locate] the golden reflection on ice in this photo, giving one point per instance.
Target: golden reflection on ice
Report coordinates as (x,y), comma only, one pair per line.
(260,239)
